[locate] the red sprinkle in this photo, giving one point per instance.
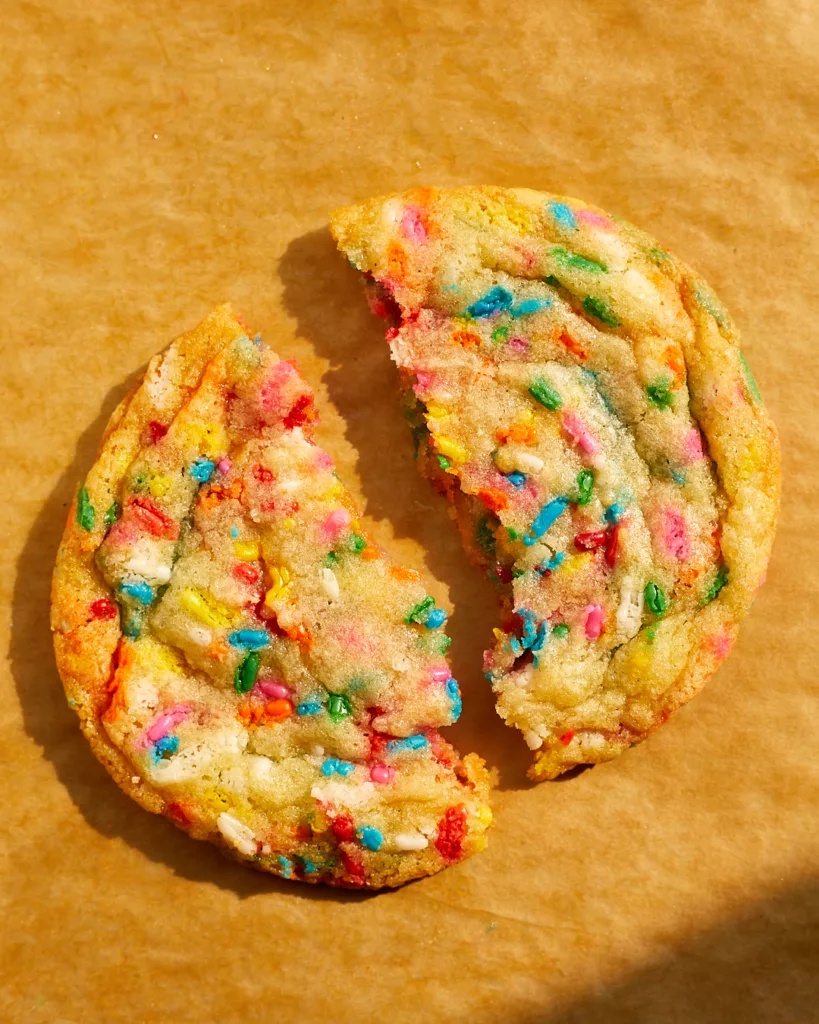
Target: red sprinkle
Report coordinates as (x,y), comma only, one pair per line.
(301,412)
(262,474)
(612,544)
(102,608)
(567,737)
(176,812)
(354,869)
(344,829)
(156,430)
(493,499)
(451,833)
(591,541)
(245,572)
(153,519)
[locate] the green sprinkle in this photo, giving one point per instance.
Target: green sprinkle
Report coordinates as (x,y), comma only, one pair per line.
(552,280)
(330,559)
(585,483)
(719,582)
(113,513)
(544,393)
(577,262)
(753,387)
(443,462)
(86,516)
(517,573)
(560,630)
(657,255)
(338,707)
(659,393)
(485,536)
(420,612)
(651,635)
(655,599)
(245,674)
(709,303)
(356,543)
(601,310)
(500,334)
(437,643)
(512,532)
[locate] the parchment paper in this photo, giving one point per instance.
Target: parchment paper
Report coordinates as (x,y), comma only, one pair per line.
(160,158)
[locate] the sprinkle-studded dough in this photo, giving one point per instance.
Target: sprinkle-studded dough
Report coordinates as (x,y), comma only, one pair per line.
(581,398)
(242,656)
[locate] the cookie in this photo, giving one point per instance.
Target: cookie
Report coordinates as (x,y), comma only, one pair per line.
(580,397)
(243,658)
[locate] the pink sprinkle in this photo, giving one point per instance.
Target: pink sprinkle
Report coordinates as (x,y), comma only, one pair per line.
(593,617)
(675,534)
(518,344)
(322,460)
(595,219)
(382,773)
(440,675)
(426,381)
(579,433)
(338,520)
(413,224)
(270,396)
(721,644)
(692,445)
(166,721)
(270,688)
(224,465)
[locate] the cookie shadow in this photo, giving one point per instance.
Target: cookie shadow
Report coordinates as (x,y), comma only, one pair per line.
(323,294)
(53,726)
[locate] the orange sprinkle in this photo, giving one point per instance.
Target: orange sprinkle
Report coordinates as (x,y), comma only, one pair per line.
(300,634)
(278,710)
(465,338)
(493,499)
(218,650)
(673,359)
(398,572)
(370,554)
(521,433)
(396,261)
(572,345)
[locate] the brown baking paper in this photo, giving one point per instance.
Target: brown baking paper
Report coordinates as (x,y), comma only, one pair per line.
(160,158)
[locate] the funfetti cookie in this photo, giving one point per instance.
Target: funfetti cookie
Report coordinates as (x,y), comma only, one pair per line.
(580,396)
(243,658)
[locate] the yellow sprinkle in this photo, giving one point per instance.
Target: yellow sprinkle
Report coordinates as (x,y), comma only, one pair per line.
(246,550)
(479,843)
(289,523)
(639,660)
(499,634)
(280,585)
(205,608)
(437,412)
(451,449)
(208,438)
(160,485)
(335,490)
(574,563)
(215,799)
(484,816)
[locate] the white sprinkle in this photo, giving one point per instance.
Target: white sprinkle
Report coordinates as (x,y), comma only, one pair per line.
(200,636)
(533,741)
(344,794)
(237,834)
(136,780)
(410,841)
(525,460)
(630,610)
(329,584)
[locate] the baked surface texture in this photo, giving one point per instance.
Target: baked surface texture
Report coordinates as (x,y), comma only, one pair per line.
(580,397)
(243,658)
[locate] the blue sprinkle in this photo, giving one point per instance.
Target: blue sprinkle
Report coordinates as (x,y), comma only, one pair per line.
(249,639)
(545,518)
(202,470)
(451,288)
(529,628)
(613,512)
(234,532)
(257,341)
(436,618)
(454,693)
(370,837)
(554,563)
(516,479)
(542,634)
(344,768)
(329,766)
(310,707)
(563,215)
(167,745)
(516,647)
(529,306)
(410,743)
(132,626)
(493,302)
(287,867)
(678,477)
(309,867)
(489,677)
(139,591)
